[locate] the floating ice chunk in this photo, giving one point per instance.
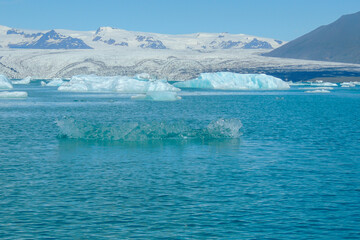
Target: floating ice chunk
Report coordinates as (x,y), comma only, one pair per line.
(297,83)
(321,83)
(348,84)
(316,88)
(26,80)
(6,94)
(56,82)
(5,83)
(43,83)
(318,91)
(157,96)
(122,84)
(234,81)
(224,128)
(143,131)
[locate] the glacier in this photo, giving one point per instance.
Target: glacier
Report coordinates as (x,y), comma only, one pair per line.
(120,84)
(5,83)
(19,94)
(234,81)
(26,80)
(157,96)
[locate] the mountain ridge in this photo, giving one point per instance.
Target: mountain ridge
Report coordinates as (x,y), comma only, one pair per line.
(108,37)
(338,41)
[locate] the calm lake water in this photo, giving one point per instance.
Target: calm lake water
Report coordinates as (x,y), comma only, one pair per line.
(103,166)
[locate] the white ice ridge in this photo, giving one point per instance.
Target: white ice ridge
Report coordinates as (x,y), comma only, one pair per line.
(234,81)
(121,84)
(349,84)
(5,83)
(6,94)
(318,91)
(26,80)
(157,96)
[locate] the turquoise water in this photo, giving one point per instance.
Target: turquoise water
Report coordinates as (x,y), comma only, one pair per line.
(214,165)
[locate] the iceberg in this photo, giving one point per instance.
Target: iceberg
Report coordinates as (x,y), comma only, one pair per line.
(26,80)
(348,84)
(6,94)
(316,88)
(120,84)
(321,83)
(234,81)
(56,82)
(318,91)
(157,96)
(5,83)
(143,131)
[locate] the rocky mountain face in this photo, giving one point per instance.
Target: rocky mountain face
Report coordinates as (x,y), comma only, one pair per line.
(336,42)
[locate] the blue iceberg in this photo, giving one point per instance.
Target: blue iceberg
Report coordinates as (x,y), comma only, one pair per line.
(234,81)
(5,83)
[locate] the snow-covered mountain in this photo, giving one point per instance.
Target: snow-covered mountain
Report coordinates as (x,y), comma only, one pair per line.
(109,51)
(108,37)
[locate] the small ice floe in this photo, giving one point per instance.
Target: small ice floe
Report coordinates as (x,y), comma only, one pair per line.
(318,91)
(19,94)
(26,80)
(348,84)
(43,83)
(321,83)
(297,83)
(157,96)
(5,83)
(316,88)
(55,82)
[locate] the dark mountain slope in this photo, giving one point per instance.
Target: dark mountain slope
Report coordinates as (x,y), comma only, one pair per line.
(338,42)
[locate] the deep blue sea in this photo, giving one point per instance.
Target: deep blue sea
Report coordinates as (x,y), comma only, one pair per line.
(213,165)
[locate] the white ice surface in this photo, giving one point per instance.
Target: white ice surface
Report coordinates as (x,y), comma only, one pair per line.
(56,82)
(234,81)
(6,94)
(318,91)
(121,84)
(26,80)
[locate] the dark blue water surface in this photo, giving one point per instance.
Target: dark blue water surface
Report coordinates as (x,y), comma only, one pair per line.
(294,173)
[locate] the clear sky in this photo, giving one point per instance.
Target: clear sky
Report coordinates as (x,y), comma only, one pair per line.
(280,19)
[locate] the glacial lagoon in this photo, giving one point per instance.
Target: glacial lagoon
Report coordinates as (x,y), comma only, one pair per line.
(215,164)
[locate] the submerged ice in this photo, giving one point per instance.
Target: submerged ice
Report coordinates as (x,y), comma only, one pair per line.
(121,84)
(234,81)
(157,96)
(143,131)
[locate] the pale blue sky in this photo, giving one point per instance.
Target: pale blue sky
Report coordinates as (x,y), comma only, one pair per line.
(280,19)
